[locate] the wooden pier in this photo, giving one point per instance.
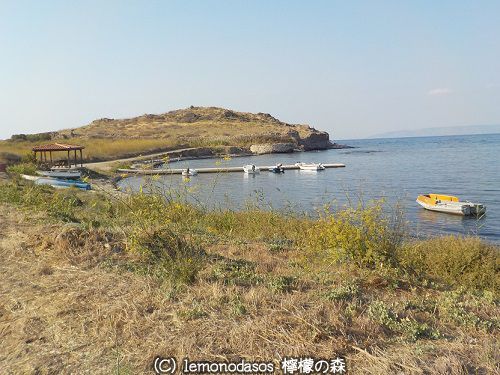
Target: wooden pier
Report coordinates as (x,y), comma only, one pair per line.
(213,170)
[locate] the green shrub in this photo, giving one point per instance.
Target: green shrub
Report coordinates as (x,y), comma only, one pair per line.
(22,168)
(453,307)
(236,272)
(411,329)
(345,292)
(64,204)
(364,236)
(457,261)
(282,284)
(278,245)
(32,137)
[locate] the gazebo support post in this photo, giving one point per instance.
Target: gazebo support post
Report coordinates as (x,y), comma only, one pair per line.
(81,158)
(69,162)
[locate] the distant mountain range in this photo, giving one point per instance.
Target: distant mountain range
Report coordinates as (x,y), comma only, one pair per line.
(442,131)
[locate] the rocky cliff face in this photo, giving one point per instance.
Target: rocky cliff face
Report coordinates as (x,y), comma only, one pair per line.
(272,148)
(308,138)
(316,140)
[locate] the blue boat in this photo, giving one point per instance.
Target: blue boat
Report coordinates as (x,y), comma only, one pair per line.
(59,183)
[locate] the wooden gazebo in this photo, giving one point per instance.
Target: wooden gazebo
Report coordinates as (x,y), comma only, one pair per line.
(59,147)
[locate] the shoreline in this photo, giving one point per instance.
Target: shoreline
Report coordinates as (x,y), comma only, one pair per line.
(198,153)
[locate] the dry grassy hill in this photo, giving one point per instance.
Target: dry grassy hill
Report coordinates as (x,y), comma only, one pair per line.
(191,127)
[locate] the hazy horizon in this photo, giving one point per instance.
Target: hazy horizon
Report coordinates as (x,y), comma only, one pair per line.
(353,69)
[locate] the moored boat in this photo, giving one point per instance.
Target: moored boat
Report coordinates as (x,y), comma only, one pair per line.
(71,175)
(278,168)
(189,172)
(251,169)
(450,204)
(310,166)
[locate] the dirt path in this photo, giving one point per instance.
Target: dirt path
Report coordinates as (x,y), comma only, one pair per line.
(108,165)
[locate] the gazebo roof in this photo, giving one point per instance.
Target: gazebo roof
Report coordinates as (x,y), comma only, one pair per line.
(58,147)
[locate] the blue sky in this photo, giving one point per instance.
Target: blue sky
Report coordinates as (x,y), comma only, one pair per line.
(353,68)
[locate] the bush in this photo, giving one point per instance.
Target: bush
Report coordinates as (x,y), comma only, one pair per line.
(170,254)
(9,158)
(32,137)
(457,261)
(364,236)
(22,168)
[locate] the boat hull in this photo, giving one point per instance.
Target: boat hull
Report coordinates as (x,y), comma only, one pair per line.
(450,204)
(61,174)
(251,169)
(454,209)
(277,170)
(62,183)
(310,167)
(190,173)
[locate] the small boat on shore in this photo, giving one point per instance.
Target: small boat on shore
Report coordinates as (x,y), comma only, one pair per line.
(30,178)
(450,204)
(70,175)
(57,183)
(278,168)
(310,166)
(251,169)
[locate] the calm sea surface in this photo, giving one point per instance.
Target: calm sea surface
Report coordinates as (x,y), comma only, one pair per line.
(395,169)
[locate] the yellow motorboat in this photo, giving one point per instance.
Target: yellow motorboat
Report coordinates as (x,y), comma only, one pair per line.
(450,204)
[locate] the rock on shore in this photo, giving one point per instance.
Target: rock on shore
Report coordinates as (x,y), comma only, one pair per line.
(272,148)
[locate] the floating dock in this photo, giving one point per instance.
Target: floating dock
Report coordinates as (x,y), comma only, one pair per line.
(213,170)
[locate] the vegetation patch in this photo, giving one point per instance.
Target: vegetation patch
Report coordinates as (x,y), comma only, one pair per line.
(409,327)
(236,272)
(456,261)
(344,292)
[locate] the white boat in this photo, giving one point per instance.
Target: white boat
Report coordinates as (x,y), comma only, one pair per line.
(189,172)
(450,204)
(310,166)
(251,169)
(71,175)
(57,183)
(30,178)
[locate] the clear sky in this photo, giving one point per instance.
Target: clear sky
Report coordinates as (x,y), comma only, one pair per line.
(353,68)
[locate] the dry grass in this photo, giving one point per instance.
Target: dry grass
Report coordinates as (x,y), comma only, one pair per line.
(70,304)
(97,149)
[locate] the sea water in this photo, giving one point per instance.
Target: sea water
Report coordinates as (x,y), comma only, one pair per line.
(396,170)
